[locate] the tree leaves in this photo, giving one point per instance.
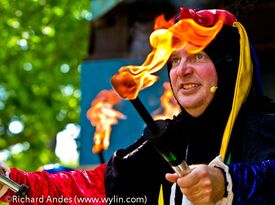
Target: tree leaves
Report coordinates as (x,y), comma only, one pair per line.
(42,45)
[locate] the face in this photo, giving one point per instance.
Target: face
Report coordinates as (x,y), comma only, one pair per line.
(192,76)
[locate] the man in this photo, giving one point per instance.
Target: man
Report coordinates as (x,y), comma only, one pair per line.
(227,140)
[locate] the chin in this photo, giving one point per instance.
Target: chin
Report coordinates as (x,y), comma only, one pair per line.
(186,104)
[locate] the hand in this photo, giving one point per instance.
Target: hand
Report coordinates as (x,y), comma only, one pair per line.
(204,185)
(2,172)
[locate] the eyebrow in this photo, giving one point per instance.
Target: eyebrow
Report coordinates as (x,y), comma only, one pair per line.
(174,53)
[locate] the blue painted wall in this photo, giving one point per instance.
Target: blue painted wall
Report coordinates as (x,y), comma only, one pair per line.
(95,76)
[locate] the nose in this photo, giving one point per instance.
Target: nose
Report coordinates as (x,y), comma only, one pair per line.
(184,68)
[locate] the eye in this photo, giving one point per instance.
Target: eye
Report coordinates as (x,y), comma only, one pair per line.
(200,56)
(175,60)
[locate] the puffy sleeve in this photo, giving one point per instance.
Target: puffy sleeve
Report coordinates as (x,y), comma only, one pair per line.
(74,187)
(134,172)
(253,183)
(254,177)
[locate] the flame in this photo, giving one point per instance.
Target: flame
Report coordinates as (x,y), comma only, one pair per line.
(102,115)
(160,22)
(169,104)
(129,80)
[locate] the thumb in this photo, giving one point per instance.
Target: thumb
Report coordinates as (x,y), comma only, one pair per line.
(171,177)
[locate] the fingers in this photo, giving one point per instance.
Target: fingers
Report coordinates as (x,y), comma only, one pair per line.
(198,195)
(172,177)
(197,186)
(175,177)
(190,179)
(200,185)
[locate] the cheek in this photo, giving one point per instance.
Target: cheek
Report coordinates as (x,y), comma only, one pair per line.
(209,75)
(172,76)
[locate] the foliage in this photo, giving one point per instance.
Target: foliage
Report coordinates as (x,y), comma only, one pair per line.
(42,45)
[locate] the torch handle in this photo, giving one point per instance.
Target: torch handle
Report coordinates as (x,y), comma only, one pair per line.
(145,115)
(181,169)
(21,190)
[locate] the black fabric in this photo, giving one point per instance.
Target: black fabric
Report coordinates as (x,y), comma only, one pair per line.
(253,138)
(135,172)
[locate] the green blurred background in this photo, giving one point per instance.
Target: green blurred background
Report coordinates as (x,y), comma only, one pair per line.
(43,43)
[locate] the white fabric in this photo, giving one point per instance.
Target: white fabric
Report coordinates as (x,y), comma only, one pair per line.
(218,162)
(184,201)
(173,194)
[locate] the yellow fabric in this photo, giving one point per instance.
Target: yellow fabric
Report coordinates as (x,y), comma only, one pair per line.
(242,86)
(161,200)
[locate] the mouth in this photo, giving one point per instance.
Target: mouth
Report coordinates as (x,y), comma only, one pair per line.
(189,86)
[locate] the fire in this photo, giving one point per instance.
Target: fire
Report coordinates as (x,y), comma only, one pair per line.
(161,23)
(102,115)
(129,80)
(169,104)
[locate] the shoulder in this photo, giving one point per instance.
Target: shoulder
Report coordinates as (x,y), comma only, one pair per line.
(260,112)
(258,131)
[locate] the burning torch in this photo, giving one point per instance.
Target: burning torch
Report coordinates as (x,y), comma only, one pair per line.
(126,86)
(102,115)
(157,132)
